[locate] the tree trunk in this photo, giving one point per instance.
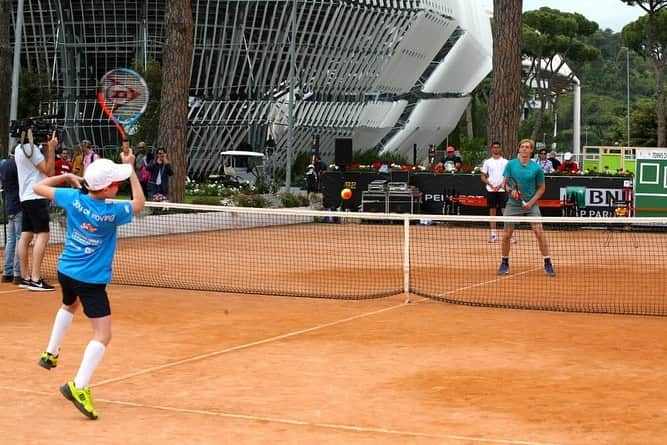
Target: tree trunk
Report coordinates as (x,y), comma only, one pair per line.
(505,100)
(176,62)
(469,120)
(6,63)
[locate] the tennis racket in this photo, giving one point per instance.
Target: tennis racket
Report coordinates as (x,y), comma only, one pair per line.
(123,96)
(513,186)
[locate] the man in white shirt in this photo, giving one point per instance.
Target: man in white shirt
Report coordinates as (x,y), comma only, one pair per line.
(32,167)
(492,176)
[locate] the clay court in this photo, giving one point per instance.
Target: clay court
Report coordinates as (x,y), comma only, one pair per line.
(209,368)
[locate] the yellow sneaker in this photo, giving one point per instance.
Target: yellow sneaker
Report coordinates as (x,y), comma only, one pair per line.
(81,398)
(47,360)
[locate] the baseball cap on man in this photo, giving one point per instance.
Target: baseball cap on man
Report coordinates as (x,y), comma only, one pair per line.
(567,156)
(103,172)
(450,149)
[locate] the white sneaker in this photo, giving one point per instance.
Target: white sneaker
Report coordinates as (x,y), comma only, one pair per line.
(513,240)
(493,238)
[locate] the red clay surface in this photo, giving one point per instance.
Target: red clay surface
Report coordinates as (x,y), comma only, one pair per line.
(211,368)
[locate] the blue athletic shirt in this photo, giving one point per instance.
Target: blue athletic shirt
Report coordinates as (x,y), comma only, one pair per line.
(528,177)
(91,235)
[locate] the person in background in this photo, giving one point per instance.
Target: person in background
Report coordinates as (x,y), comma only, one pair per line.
(77,161)
(451,161)
(63,164)
(547,166)
(492,177)
(32,166)
(89,155)
(320,167)
(161,170)
(11,271)
(555,163)
(140,165)
(568,165)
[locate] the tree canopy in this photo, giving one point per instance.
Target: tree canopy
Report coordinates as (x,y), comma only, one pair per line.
(551,39)
(648,36)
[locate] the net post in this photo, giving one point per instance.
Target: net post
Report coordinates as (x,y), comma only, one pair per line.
(406,258)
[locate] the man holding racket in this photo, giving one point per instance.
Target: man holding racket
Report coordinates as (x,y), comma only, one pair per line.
(525,181)
(84,267)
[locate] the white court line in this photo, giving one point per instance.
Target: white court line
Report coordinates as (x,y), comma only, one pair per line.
(245,345)
(280,337)
(484,283)
(284,421)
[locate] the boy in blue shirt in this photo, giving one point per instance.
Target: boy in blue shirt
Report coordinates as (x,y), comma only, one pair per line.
(84,267)
(528,188)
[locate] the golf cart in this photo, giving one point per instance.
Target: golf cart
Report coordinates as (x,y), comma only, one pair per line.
(240,167)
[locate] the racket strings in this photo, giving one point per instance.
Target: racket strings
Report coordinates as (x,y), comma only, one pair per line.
(125,94)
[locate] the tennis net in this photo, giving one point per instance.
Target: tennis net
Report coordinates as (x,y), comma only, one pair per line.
(608,265)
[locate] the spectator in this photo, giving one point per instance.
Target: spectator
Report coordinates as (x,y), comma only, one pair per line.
(32,166)
(523,202)
(11,272)
(492,176)
(568,165)
(555,163)
(89,155)
(547,166)
(312,185)
(160,170)
(63,165)
(451,161)
(140,165)
(77,161)
(126,154)
(320,167)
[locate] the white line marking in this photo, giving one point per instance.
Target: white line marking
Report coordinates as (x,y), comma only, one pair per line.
(331,426)
(245,345)
(484,283)
(279,337)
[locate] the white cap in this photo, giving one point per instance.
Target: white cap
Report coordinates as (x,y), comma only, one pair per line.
(567,156)
(101,173)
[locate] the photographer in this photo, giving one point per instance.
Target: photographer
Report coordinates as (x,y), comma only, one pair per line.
(32,166)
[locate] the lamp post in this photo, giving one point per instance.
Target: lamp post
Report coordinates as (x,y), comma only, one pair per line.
(627,83)
(290,118)
(627,88)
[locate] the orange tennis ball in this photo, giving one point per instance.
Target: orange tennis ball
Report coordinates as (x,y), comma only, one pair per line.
(346,194)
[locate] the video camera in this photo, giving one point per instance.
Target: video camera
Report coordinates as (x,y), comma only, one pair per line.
(42,128)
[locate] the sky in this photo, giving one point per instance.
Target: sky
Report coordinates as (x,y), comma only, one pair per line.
(612,14)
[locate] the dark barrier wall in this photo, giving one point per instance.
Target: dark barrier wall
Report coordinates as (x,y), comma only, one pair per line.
(601,191)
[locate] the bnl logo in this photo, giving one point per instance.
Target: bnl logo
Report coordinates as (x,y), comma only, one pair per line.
(599,197)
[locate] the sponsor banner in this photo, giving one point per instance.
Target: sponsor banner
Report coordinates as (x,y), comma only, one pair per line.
(651,154)
(600,191)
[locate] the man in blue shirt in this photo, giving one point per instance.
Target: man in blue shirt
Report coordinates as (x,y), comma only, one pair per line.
(525,180)
(84,267)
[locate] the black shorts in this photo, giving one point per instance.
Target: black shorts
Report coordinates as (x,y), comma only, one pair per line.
(496,200)
(93,297)
(35,216)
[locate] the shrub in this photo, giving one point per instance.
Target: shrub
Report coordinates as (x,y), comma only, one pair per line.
(243,200)
(206,200)
(292,200)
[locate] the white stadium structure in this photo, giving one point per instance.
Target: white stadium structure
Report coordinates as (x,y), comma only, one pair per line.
(386,73)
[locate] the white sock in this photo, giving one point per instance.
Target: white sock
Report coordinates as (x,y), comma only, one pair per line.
(91,358)
(60,326)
